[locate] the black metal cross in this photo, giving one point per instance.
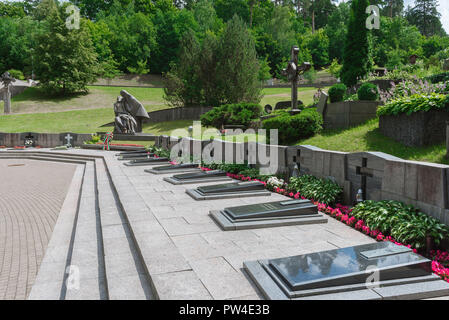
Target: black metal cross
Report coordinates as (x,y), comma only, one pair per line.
(364,172)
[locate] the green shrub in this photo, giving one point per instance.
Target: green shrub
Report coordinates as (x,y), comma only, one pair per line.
(95,139)
(368,91)
(440,77)
(231,114)
(321,190)
(404,223)
(414,103)
(294,128)
(17,74)
(337,92)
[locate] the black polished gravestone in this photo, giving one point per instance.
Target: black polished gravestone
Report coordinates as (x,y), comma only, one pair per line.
(137,156)
(198,177)
(147,161)
(229,190)
(175,168)
(265,215)
(129,153)
(372,271)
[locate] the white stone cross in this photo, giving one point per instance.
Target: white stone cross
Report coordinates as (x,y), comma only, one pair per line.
(69,138)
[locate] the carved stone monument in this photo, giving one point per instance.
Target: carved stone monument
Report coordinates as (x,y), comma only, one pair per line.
(6,79)
(129,114)
(293,71)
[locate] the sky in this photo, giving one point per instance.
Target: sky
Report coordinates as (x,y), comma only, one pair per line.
(443,8)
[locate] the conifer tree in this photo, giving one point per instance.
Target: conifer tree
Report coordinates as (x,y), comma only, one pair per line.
(66,61)
(356,59)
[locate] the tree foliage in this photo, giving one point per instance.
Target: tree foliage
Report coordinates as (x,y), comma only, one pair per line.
(220,70)
(65,58)
(357,51)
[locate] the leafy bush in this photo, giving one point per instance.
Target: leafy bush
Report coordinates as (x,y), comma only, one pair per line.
(231,114)
(404,223)
(335,68)
(17,74)
(294,128)
(415,103)
(440,77)
(321,190)
(368,91)
(409,88)
(337,92)
(95,139)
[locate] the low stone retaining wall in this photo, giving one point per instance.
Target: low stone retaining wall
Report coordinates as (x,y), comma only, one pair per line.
(381,176)
(44,140)
(347,114)
(416,130)
(184,113)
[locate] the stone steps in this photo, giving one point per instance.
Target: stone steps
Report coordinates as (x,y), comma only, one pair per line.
(92,254)
(126,276)
(87,257)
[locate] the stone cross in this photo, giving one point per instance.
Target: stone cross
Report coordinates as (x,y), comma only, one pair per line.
(365,172)
(69,138)
(293,71)
(7,79)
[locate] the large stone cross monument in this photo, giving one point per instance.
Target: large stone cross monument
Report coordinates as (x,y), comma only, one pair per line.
(7,79)
(293,71)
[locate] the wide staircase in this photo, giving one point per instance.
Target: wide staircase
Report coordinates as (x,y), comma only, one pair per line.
(93,253)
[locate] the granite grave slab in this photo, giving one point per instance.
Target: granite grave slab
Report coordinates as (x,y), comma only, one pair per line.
(354,272)
(137,156)
(265,215)
(146,162)
(175,168)
(198,177)
(228,191)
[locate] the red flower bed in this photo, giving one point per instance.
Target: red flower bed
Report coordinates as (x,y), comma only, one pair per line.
(440,259)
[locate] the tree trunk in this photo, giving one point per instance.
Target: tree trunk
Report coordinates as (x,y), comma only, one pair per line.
(313,21)
(251,15)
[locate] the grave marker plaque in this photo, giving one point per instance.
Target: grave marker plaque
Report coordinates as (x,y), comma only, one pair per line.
(137,156)
(145,162)
(198,177)
(229,190)
(347,272)
(272,214)
(174,168)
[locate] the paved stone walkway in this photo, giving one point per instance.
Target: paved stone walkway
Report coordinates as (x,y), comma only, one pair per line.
(31,196)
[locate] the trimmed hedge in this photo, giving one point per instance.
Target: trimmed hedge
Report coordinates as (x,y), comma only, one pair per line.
(368,92)
(337,92)
(294,128)
(231,114)
(415,103)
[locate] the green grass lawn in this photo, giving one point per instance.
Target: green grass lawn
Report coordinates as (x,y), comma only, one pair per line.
(87,113)
(367,137)
(32,100)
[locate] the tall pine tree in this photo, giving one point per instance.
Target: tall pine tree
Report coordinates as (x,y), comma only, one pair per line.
(426,17)
(66,61)
(356,61)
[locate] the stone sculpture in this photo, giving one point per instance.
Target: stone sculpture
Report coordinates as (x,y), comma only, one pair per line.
(6,79)
(129,114)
